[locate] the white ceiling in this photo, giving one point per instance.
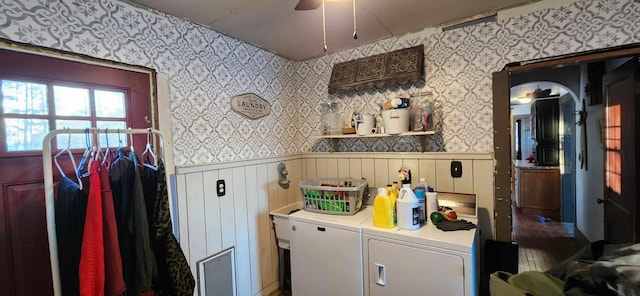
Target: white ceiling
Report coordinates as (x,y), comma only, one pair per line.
(520,91)
(275,26)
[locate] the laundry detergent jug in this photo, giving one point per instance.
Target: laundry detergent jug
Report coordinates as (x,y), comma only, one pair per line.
(383,210)
(408,209)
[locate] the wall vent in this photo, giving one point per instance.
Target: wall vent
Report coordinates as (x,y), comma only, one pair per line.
(217,274)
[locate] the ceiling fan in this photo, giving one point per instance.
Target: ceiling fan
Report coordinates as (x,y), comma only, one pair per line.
(314,4)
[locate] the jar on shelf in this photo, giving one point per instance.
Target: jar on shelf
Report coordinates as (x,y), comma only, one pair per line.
(331,122)
(422,112)
(417,109)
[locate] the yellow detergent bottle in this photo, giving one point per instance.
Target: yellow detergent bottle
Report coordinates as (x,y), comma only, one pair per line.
(393,195)
(396,188)
(383,210)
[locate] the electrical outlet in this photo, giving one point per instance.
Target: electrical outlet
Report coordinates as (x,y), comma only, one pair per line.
(221,188)
(456,169)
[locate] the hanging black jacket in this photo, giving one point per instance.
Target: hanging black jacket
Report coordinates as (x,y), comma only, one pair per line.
(71,208)
(175,276)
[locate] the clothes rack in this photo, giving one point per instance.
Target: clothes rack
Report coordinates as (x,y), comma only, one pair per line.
(49,190)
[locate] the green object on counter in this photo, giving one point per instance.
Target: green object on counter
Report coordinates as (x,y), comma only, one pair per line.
(334,206)
(436,217)
(331,201)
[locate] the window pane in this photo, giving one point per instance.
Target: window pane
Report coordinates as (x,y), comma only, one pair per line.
(25,134)
(77,140)
(110,104)
(71,101)
(114,140)
(20,97)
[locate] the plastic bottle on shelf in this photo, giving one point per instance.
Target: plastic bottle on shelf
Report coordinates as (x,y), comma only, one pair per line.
(396,188)
(420,194)
(417,123)
(408,209)
(422,185)
(427,118)
(383,210)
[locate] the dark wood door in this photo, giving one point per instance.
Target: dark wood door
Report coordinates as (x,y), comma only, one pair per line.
(24,253)
(621,93)
(547,117)
(25,267)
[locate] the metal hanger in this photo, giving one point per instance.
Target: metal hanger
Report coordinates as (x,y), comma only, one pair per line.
(85,156)
(73,161)
(150,151)
(131,140)
(119,139)
(109,155)
(95,149)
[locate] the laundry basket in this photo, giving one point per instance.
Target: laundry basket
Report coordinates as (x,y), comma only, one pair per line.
(336,196)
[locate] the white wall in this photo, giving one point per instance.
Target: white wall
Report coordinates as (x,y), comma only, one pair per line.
(589,180)
(209,224)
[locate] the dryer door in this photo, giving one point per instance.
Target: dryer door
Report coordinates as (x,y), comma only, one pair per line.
(395,269)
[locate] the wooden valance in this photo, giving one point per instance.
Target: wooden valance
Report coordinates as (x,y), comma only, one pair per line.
(382,70)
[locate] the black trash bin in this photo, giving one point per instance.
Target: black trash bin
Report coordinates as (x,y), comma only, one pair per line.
(498,256)
(284,267)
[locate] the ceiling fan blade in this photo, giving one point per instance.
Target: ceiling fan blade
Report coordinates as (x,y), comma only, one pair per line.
(308,4)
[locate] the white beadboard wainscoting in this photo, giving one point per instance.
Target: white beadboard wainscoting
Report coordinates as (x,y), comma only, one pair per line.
(240,218)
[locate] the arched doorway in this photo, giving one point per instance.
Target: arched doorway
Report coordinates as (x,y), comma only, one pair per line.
(523,95)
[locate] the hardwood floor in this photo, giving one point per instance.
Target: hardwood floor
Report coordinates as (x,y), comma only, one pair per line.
(279,293)
(541,245)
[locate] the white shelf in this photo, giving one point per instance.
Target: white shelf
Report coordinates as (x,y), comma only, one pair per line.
(333,139)
(374,135)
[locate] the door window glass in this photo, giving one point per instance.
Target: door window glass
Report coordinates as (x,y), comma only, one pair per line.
(110,104)
(71,101)
(27,116)
(25,133)
(613,140)
(20,97)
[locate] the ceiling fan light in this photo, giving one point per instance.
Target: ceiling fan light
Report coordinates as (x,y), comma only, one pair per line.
(524,100)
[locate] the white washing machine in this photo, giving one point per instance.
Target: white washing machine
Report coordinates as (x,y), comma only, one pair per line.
(347,255)
(426,261)
(326,253)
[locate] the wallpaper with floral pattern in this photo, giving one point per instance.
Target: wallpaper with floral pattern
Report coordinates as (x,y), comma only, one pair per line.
(206,68)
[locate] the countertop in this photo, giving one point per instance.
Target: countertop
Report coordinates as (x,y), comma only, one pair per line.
(525,164)
(428,234)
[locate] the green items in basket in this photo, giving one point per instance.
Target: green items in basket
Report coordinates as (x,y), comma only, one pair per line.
(336,196)
(327,201)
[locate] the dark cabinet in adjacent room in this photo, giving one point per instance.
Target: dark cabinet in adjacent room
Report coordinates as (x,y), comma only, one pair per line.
(545,118)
